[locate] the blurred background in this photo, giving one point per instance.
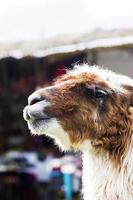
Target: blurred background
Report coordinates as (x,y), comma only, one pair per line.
(39,39)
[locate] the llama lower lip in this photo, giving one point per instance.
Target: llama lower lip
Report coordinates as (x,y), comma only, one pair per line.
(38,122)
(41,120)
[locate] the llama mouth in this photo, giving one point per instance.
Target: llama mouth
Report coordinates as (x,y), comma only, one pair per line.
(34,116)
(38,122)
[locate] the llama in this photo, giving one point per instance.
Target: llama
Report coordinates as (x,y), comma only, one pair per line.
(89,109)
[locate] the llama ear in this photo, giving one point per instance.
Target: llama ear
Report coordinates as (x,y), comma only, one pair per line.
(129,89)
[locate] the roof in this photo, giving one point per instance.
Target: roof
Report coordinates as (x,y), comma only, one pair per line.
(30,23)
(68,43)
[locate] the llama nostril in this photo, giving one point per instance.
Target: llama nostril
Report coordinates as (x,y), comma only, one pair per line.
(36,100)
(33,99)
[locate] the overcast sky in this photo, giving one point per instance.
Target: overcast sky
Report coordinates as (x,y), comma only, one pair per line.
(40,19)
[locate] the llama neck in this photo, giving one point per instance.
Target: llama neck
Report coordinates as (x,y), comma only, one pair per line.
(102,181)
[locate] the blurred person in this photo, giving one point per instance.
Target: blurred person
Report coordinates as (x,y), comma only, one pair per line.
(43,172)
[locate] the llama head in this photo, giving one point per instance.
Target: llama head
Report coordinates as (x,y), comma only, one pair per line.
(87,107)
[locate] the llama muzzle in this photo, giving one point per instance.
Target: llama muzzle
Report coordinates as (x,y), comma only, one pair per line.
(36,108)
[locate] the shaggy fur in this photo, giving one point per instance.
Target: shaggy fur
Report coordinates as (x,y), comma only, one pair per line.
(88,110)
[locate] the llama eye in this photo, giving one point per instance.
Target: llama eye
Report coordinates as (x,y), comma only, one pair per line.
(100,94)
(95,93)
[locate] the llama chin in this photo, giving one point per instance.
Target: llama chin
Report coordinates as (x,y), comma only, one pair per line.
(90,109)
(50,128)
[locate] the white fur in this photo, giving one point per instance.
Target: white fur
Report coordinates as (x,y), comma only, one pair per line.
(114,80)
(102,181)
(53,129)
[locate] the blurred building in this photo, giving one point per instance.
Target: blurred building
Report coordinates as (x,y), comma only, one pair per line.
(25,66)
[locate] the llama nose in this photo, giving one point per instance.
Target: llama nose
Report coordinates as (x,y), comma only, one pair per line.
(34,98)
